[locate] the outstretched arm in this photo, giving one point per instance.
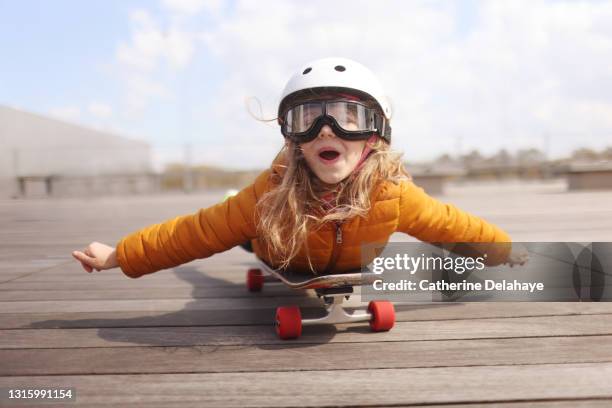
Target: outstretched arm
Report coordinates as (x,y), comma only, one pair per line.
(188,237)
(430,220)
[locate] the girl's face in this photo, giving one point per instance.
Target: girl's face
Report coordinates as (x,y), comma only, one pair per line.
(331,158)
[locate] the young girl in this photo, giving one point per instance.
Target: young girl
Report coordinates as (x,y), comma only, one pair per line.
(334,186)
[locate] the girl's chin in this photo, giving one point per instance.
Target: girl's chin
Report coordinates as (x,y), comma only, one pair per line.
(331,174)
(330,182)
(331,178)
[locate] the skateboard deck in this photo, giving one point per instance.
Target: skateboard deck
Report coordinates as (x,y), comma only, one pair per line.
(296,280)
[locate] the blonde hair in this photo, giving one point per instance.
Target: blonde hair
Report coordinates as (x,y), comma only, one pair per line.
(294,207)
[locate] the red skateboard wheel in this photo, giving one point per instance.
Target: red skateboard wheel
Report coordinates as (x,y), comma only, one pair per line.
(383,315)
(288,322)
(254,280)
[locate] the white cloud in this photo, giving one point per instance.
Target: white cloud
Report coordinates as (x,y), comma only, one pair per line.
(514,72)
(261,50)
(140,90)
(150,45)
(100,110)
(153,53)
(192,7)
(178,48)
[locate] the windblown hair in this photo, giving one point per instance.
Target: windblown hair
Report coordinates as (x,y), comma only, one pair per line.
(294,207)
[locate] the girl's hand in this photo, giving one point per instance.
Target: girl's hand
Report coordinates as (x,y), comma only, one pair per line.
(97,256)
(518,256)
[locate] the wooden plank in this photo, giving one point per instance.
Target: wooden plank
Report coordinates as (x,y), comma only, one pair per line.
(575,403)
(298,357)
(187,293)
(346,333)
(162,305)
(415,312)
(147,304)
(75,273)
(142,285)
(138,319)
(96,281)
(259,302)
(341,388)
(118,279)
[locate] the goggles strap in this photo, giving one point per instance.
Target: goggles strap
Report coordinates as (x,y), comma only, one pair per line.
(366,152)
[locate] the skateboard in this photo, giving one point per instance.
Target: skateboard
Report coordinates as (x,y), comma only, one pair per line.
(332,289)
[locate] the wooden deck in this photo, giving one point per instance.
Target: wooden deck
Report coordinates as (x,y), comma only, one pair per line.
(194,337)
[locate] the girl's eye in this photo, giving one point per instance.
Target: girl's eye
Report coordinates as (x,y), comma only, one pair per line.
(310,111)
(309,115)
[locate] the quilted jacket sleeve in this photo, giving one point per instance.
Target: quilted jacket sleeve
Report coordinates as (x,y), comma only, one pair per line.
(188,237)
(430,220)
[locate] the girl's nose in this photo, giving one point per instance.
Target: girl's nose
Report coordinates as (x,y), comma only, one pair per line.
(326,131)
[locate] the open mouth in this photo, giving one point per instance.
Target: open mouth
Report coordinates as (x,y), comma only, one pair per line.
(329,154)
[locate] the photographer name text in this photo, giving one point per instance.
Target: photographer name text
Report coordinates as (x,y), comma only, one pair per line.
(441,285)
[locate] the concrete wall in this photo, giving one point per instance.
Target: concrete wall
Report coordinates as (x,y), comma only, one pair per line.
(590,180)
(67,186)
(33,146)
(589,176)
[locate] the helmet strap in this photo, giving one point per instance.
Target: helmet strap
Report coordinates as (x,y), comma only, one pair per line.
(366,152)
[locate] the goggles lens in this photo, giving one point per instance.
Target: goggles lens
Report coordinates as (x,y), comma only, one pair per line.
(300,118)
(350,116)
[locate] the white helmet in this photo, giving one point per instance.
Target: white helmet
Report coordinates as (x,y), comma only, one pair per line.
(337,73)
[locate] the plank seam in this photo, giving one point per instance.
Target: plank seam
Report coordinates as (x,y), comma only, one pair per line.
(35,272)
(307,343)
(313,370)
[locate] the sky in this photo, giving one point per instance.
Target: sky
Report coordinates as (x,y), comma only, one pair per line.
(461,75)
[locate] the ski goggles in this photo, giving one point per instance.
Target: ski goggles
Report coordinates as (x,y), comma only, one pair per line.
(349,120)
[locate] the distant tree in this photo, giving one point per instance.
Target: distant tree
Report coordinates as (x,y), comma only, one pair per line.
(530,156)
(501,158)
(445,159)
(473,158)
(174,167)
(173,177)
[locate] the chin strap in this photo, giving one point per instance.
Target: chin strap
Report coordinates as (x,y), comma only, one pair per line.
(365,153)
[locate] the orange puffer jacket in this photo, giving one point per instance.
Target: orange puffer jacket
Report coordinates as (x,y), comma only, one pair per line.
(402,207)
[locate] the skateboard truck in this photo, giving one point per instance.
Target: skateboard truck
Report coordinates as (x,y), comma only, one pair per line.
(334,289)
(333,298)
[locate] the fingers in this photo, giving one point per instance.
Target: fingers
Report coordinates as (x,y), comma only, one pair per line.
(86,261)
(87,267)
